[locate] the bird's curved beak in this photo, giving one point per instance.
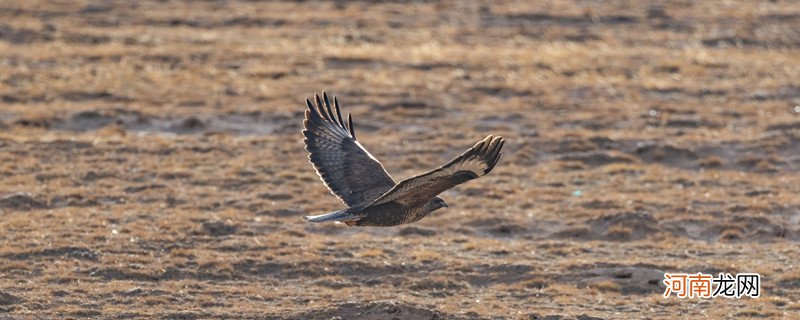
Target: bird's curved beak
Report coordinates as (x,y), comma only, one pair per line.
(445,205)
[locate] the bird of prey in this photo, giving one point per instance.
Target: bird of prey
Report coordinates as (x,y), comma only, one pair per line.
(360,181)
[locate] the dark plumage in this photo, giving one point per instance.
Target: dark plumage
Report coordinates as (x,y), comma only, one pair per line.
(356,177)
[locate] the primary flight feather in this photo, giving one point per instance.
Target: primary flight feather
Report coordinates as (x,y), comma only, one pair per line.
(360,181)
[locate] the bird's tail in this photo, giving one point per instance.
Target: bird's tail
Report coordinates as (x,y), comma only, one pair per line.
(341,215)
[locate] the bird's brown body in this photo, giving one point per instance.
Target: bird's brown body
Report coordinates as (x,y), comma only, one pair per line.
(390,214)
(356,177)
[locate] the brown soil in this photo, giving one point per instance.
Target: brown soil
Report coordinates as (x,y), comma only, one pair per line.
(151,163)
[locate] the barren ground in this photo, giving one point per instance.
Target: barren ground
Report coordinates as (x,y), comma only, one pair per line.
(151,163)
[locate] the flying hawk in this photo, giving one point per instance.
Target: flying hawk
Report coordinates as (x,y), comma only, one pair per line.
(360,181)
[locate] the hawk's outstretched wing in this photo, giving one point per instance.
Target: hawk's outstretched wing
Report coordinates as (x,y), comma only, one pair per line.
(475,162)
(348,170)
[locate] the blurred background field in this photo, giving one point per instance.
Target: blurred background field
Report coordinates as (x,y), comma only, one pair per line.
(151,163)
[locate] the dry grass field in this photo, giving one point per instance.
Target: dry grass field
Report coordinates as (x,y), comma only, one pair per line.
(151,163)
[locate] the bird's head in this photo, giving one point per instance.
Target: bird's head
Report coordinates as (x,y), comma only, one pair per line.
(438,203)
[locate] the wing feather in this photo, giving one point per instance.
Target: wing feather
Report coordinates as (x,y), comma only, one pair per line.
(338,112)
(346,168)
(473,163)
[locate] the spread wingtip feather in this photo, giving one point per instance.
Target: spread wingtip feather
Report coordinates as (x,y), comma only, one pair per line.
(322,108)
